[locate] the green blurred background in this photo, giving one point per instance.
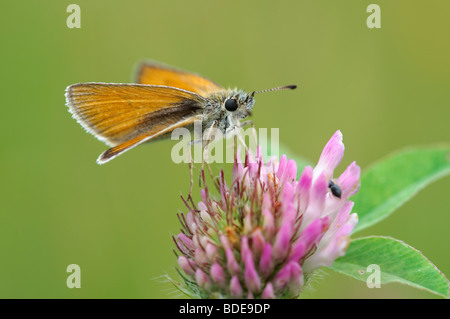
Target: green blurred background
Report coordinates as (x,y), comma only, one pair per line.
(384,88)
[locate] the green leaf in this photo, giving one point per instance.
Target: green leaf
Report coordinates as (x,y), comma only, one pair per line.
(391,182)
(398,262)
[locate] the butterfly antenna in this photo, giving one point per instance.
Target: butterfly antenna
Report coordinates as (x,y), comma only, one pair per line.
(284,87)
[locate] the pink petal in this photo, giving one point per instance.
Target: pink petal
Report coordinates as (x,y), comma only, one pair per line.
(204,195)
(186,241)
(232,265)
(191,221)
(331,156)
(217,273)
(282,241)
(282,278)
(319,191)
(252,280)
(258,241)
(296,281)
(268,223)
(340,219)
(291,171)
(349,180)
(186,265)
(200,257)
(304,186)
(235,287)
(311,235)
(268,292)
(289,278)
(265,262)
(211,251)
(287,170)
(282,166)
(335,241)
(288,204)
(202,279)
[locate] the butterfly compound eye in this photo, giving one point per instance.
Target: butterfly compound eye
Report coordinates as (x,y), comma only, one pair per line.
(231,105)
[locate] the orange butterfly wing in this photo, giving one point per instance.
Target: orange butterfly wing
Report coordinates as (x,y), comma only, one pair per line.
(158,74)
(119,149)
(126,115)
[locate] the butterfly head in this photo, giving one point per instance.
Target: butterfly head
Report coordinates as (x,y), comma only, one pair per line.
(238,104)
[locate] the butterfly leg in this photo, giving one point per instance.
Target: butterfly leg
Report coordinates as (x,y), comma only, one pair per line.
(191,169)
(235,130)
(245,123)
(254,135)
(191,164)
(207,141)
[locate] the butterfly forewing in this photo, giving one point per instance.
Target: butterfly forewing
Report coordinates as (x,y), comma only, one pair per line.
(159,74)
(119,149)
(119,113)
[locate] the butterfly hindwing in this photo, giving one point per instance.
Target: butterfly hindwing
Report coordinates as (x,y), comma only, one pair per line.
(155,73)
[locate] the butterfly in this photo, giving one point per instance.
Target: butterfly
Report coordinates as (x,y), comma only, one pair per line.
(164,98)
